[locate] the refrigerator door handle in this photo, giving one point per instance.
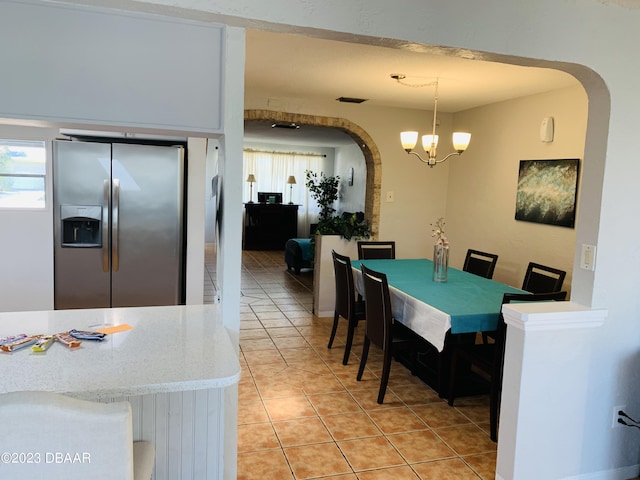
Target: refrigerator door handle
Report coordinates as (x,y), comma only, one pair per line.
(105,227)
(114,238)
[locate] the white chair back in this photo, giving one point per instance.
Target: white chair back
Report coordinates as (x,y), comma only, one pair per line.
(52,436)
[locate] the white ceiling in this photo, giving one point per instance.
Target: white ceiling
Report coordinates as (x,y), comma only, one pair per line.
(288,66)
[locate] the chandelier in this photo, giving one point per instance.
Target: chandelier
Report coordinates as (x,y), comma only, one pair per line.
(430,142)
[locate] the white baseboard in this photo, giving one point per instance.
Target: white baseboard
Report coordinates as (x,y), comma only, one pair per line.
(623,473)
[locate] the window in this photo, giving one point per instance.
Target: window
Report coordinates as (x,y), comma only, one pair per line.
(271,171)
(23,169)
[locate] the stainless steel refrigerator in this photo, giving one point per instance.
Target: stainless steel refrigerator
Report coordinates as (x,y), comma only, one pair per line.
(118,224)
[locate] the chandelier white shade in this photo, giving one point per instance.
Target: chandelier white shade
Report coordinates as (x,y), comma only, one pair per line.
(461,141)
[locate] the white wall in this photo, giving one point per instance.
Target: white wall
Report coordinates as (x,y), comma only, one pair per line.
(482,182)
(196,219)
(351,198)
(212,195)
(90,75)
(229,251)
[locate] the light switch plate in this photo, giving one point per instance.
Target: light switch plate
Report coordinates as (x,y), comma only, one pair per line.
(389,196)
(588,257)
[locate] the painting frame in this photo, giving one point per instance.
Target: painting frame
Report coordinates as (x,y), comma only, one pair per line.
(547,191)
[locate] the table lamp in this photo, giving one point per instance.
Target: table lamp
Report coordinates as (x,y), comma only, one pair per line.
(291,181)
(251,178)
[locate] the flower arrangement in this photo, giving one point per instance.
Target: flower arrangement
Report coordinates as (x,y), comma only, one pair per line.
(440,252)
(438,232)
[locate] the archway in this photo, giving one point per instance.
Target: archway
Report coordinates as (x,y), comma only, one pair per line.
(363,140)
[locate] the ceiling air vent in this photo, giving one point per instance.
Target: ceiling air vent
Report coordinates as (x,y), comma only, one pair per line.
(289,125)
(351,100)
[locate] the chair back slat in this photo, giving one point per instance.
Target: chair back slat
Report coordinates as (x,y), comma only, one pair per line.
(542,279)
(345,290)
(377,307)
(370,250)
(480,263)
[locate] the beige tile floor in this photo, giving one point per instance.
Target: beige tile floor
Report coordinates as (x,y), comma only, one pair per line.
(303,415)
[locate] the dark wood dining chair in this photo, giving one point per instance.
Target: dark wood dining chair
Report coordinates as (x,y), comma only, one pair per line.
(347,306)
(370,250)
(542,279)
(381,329)
(480,263)
(489,357)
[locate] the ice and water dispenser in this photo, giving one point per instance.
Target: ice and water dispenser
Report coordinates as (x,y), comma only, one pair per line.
(81,226)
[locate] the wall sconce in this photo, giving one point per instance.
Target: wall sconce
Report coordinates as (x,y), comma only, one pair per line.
(430,142)
(291,181)
(251,178)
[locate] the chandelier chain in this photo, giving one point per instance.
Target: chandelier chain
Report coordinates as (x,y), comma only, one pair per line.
(417,85)
(399,79)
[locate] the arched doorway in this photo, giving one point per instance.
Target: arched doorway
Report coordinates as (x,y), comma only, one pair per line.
(363,140)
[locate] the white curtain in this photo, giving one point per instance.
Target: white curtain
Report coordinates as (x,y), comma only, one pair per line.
(271,171)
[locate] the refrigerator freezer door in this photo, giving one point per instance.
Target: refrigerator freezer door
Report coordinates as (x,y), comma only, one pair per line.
(147,193)
(80,171)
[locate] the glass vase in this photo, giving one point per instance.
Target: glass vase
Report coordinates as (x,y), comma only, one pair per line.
(440,263)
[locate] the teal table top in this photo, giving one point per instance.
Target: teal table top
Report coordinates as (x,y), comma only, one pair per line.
(473,303)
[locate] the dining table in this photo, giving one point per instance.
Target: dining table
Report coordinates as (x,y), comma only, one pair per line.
(438,311)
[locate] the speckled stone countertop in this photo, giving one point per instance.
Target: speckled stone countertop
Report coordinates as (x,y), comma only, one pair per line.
(169,349)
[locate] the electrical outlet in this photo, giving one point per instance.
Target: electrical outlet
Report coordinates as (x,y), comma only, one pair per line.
(616,415)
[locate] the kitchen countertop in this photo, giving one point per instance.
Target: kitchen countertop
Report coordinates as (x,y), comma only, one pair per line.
(169,349)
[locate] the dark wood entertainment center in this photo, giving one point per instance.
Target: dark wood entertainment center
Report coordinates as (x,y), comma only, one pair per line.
(268,226)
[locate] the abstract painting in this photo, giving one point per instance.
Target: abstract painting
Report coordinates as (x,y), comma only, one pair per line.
(547,191)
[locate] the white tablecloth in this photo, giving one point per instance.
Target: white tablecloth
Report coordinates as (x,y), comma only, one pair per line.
(428,322)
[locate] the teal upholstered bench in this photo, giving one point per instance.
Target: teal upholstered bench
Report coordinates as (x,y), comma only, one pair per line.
(298,254)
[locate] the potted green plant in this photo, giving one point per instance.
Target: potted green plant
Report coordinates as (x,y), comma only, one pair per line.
(353,226)
(324,190)
(333,232)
